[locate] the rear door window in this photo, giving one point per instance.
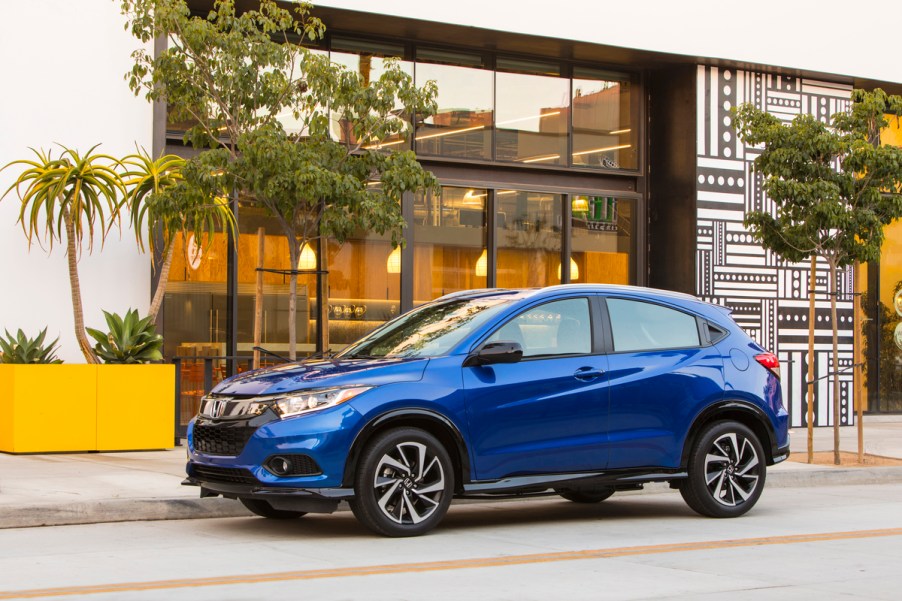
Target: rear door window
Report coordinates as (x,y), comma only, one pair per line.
(642,326)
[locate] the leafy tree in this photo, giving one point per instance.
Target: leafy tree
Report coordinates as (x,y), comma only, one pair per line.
(174,197)
(235,76)
(834,188)
(69,198)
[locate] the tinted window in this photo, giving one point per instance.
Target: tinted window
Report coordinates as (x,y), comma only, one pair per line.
(556,328)
(429,331)
(639,326)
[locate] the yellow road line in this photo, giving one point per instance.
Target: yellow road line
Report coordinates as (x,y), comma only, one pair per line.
(454,564)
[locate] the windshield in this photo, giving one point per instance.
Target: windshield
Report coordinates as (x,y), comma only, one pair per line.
(429,331)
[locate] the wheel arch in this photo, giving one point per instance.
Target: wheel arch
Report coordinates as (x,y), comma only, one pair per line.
(430,421)
(745,413)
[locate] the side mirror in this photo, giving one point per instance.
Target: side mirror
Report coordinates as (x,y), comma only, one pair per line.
(496,352)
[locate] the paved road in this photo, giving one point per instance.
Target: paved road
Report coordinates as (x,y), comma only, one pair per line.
(842,542)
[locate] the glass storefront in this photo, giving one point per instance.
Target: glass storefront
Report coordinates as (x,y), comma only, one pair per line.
(497,109)
(495,112)
(883,362)
(533,102)
(603,132)
(528,229)
(602,240)
(462,126)
(449,233)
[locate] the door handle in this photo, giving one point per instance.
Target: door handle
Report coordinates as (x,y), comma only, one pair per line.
(588,373)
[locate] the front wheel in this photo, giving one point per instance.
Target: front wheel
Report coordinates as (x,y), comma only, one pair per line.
(726,471)
(404,483)
(264,509)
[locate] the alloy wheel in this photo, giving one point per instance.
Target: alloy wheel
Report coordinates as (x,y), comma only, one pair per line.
(409,483)
(732,467)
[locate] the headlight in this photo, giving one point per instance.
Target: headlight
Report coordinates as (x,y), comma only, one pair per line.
(314,400)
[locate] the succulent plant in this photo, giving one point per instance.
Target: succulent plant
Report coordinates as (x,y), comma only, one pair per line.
(130,339)
(22,350)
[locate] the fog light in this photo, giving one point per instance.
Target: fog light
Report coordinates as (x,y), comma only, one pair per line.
(280,466)
(292,465)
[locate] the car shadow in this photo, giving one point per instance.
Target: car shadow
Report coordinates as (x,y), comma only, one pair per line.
(464,516)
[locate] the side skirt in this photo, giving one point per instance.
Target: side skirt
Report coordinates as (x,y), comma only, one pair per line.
(518,486)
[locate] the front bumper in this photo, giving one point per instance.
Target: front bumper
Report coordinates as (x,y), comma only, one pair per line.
(309,500)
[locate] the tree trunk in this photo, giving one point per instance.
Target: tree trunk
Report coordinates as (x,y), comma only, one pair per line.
(811,372)
(836,399)
(322,293)
(75,285)
(294,253)
(160,292)
(856,370)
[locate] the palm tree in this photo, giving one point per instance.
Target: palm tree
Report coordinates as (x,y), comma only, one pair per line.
(171,196)
(69,196)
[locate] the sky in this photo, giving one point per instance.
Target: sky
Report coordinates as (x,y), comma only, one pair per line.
(836,37)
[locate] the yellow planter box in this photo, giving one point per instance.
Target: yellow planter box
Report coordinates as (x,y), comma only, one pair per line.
(135,407)
(59,408)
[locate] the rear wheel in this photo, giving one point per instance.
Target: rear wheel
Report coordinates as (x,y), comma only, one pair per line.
(404,483)
(726,471)
(594,495)
(265,510)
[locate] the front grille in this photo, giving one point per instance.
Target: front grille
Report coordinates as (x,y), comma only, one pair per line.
(210,473)
(221,439)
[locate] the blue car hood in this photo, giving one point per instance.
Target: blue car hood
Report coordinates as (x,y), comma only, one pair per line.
(321,373)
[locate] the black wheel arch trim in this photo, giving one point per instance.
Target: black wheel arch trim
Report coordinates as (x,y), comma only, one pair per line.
(726,409)
(412,417)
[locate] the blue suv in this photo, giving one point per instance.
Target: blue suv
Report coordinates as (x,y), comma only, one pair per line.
(576,390)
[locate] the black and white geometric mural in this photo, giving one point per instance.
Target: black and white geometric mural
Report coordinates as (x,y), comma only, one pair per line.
(769,297)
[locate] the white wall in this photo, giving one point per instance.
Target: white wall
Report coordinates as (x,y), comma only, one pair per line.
(831,36)
(61,66)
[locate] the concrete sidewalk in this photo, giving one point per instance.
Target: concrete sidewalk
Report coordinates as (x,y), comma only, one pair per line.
(83,488)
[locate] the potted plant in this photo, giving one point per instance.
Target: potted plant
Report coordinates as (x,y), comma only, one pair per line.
(131,383)
(44,406)
(52,407)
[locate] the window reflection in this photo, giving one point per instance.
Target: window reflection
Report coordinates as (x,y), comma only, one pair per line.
(449,242)
(532,110)
(603,133)
(602,240)
(528,230)
(462,127)
(367,60)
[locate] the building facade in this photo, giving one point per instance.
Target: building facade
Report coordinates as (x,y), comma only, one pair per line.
(561,158)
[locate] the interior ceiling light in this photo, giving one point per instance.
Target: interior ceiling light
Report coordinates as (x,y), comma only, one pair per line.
(307,260)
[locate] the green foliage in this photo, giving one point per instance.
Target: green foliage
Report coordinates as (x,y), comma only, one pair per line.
(235,75)
(20,349)
(130,339)
(177,197)
(228,72)
(834,187)
(82,188)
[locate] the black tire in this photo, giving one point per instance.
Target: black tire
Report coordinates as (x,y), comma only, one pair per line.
(265,510)
(594,495)
(727,469)
(404,483)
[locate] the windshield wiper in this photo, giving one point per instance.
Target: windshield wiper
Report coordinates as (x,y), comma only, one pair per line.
(271,354)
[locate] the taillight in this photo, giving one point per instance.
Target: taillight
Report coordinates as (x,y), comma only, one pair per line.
(770,361)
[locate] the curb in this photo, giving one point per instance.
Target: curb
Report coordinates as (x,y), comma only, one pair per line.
(129,510)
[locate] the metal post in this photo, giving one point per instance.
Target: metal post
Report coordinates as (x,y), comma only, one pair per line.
(178,400)
(232,294)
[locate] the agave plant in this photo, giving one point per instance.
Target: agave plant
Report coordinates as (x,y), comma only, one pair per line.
(67,199)
(21,349)
(130,339)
